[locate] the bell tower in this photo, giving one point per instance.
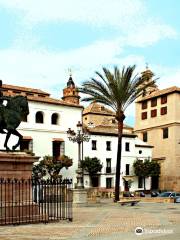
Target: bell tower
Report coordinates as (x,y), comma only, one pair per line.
(70,93)
(147,77)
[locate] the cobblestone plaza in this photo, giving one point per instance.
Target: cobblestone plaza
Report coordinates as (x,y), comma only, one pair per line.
(106,220)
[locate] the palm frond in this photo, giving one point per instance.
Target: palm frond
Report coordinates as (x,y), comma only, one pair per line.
(117,89)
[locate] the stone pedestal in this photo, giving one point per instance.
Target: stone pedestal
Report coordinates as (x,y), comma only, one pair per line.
(79,196)
(16,195)
(16,165)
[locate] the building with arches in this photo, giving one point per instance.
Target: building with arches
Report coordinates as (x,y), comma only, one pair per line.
(44,130)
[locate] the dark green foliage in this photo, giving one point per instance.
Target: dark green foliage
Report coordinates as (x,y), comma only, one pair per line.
(146,169)
(154,169)
(141,168)
(52,166)
(91,165)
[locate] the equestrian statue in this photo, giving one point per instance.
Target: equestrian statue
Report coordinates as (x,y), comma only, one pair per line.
(11,115)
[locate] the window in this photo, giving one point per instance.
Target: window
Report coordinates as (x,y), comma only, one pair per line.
(94,147)
(108,182)
(144,115)
(140,182)
(154,113)
(108,165)
(54,119)
(154,102)
(144,105)
(108,145)
(127,147)
(165,133)
(145,137)
(163,99)
(39,117)
(57,149)
(163,110)
(127,169)
(113,120)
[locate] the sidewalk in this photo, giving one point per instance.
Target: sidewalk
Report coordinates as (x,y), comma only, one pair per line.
(105,221)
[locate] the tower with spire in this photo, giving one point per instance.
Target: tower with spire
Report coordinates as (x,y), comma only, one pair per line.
(147,77)
(70,93)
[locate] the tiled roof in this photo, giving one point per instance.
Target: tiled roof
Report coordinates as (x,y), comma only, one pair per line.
(24,89)
(113,123)
(108,130)
(97,108)
(36,95)
(52,101)
(160,92)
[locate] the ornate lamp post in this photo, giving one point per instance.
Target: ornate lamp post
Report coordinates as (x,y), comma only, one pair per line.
(78,137)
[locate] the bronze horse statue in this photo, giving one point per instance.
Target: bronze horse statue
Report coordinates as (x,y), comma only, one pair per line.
(11,116)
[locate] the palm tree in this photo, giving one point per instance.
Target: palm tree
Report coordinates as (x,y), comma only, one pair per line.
(117,90)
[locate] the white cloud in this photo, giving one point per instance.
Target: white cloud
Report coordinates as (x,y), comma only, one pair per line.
(95,12)
(168,76)
(27,64)
(45,69)
(129,17)
(150,32)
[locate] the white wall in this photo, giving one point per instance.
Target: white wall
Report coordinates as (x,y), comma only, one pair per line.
(128,157)
(43,134)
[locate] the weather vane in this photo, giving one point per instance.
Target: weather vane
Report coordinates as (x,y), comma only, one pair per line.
(70,72)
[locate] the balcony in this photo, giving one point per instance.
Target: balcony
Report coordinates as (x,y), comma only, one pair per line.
(110,170)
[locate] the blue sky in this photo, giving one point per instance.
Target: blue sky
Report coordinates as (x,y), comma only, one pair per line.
(40,40)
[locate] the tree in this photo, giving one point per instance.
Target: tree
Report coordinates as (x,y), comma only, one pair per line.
(146,169)
(155,169)
(52,166)
(142,169)
(91,165)
(117,89)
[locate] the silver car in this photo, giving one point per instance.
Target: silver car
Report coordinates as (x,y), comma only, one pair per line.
(174,195)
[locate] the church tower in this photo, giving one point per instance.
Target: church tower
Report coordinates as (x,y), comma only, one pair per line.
(70,93)
(147,76)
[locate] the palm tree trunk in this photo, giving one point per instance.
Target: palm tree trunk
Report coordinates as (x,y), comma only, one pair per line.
(118,162)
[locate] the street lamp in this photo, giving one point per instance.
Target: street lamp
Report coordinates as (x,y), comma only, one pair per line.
(78,137)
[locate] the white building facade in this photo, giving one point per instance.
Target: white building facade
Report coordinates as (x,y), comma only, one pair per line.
(102,127)
(104,147)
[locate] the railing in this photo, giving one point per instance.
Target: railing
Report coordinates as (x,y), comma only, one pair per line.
(27,201)
(110,170)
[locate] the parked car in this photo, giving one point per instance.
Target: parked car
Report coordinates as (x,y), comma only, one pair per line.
(154,194)
(174,195)
(142,194)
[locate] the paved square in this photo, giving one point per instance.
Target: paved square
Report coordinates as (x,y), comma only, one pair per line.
(106,220)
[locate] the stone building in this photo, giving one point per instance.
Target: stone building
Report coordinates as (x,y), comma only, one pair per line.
(157,122)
